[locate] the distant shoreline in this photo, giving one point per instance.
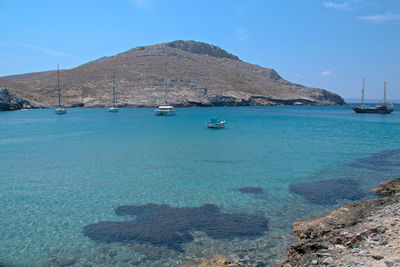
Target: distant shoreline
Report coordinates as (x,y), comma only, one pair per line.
(39,106)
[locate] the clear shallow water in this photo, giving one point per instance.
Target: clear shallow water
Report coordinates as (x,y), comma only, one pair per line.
(62,173)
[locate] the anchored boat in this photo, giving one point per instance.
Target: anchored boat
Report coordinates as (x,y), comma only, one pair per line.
(113,108)
(383,108)
(215,124)
(165,110)
(60,110)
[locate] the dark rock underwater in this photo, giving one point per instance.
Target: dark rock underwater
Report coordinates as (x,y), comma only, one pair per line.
(251,190)
(163,225)
(329,191)
(381,161)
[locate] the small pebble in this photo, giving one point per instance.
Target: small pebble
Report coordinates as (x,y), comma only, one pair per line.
(377,257)
(328,260)
(234,258)
(383,242)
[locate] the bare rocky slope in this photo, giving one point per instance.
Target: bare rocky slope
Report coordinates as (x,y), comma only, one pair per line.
(198,74)
(10,101)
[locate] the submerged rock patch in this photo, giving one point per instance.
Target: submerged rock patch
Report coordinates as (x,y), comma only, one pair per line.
(163,225)
(251,190)
(381,161)
(329,191)
(218,161)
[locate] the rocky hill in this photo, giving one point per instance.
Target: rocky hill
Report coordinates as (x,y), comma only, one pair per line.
(198,74)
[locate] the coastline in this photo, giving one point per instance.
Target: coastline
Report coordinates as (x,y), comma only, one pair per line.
(177,105)
(365,233)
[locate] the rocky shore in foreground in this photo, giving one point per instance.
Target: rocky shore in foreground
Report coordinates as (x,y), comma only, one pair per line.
(365,233)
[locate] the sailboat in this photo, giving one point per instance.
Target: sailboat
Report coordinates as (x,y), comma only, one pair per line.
(60,110)
(381,109)
(113,108)
(165,110)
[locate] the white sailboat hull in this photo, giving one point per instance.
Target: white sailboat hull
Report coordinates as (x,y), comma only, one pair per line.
(165,111)
(61,111)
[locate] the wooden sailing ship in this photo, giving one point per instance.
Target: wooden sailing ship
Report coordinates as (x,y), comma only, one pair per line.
(383,108)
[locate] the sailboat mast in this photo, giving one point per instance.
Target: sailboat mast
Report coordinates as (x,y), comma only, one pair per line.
(113,89)
(58,85)
(362,93)
(165,82)
(384,92)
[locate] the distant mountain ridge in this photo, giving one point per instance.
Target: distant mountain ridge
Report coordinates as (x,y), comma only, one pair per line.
(198,74)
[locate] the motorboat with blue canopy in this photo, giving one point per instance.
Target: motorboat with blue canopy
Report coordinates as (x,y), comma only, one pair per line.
(215,123)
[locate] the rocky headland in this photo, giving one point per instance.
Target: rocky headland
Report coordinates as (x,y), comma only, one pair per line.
(10,101)
(198,74)
(363,233)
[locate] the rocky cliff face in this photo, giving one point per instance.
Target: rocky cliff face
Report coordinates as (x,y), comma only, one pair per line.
(198,74)
(10,101)
(202,49)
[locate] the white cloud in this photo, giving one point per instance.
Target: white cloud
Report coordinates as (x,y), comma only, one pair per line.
(241,34)
(298,75)
(47,51)
(43,50)
(381,18)
(326,73)
(337,5)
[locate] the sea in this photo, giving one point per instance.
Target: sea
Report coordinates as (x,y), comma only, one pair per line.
(94,188)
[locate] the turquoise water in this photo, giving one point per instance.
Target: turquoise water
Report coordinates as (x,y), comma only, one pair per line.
(62,173)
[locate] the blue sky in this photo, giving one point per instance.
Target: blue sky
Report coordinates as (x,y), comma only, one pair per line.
(326,44)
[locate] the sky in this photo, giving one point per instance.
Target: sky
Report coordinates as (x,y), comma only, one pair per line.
(330,44)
